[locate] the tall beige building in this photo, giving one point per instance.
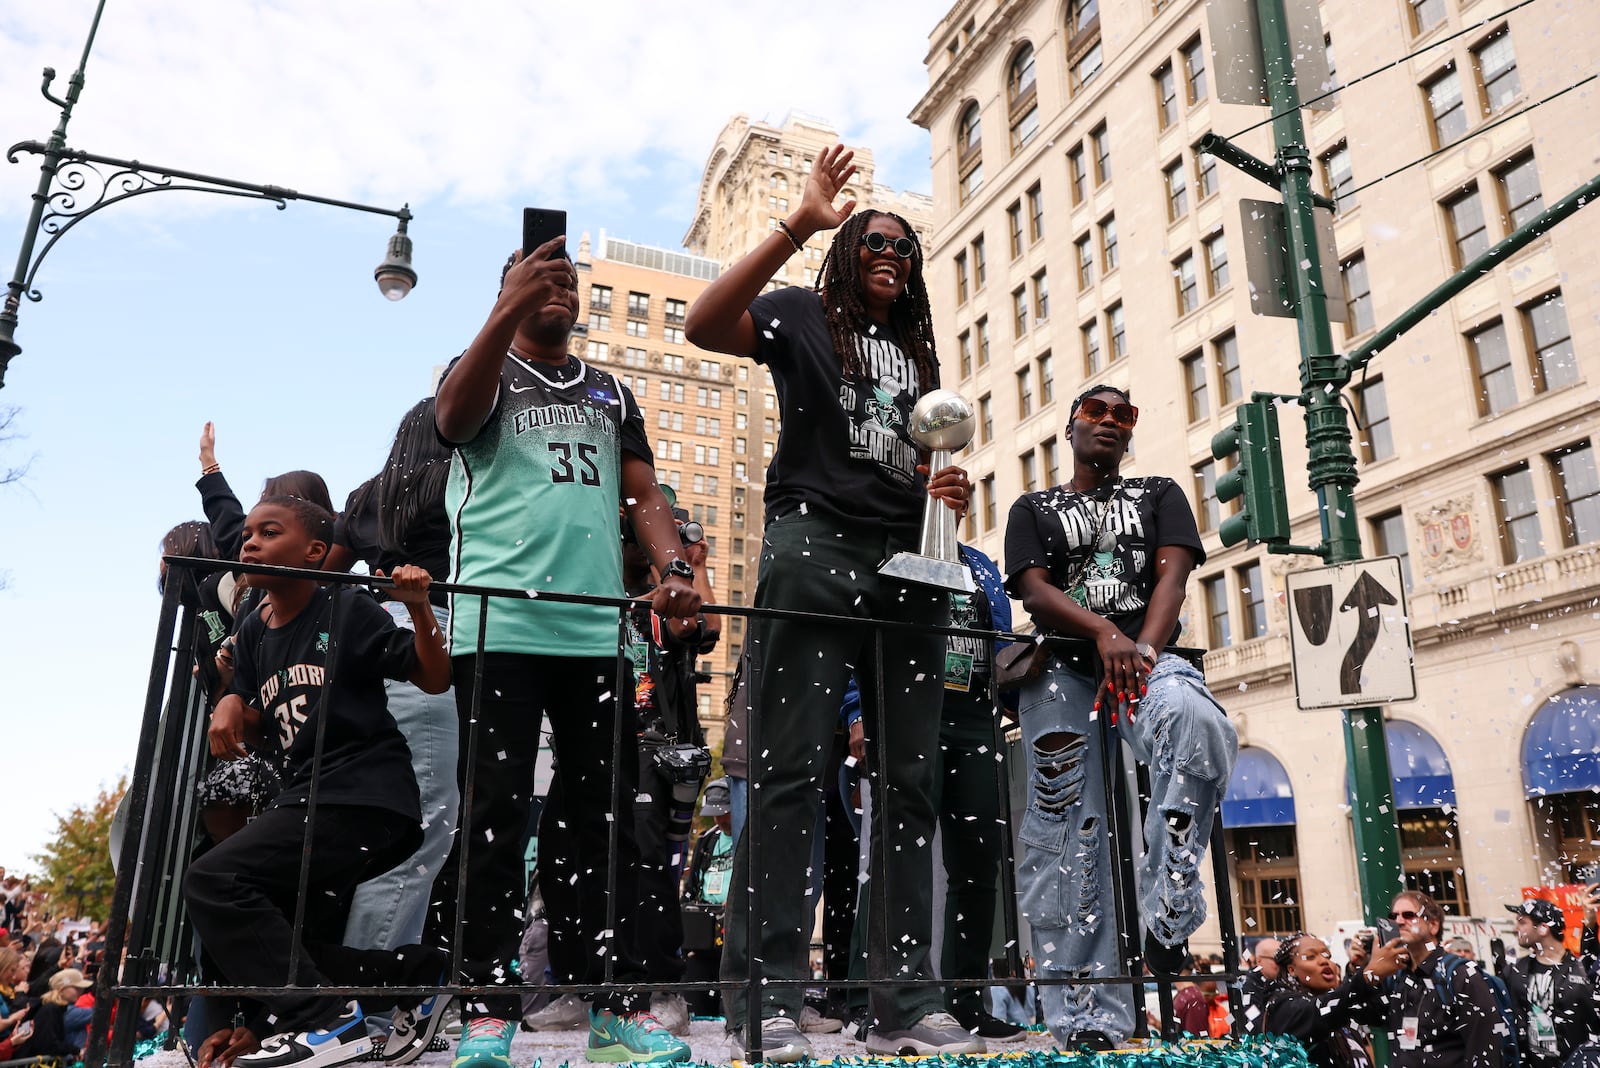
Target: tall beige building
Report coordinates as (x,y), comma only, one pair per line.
(1079,238)
(754,176)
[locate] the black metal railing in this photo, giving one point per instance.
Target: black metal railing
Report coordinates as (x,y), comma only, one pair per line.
(148,921)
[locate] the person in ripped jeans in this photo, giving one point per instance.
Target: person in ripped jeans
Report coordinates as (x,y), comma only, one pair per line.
(1106,558)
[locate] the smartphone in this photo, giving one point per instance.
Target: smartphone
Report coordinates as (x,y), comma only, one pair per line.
(540,225)
(1387,930)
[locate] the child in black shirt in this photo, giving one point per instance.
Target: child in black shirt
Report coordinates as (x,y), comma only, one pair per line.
(309,670)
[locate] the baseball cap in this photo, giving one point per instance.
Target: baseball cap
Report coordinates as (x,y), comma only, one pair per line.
(69,977)
(717,799)
(1540,911)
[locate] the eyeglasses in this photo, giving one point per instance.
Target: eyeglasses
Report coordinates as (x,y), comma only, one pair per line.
(903,247)
(1093,409)
(1404,915)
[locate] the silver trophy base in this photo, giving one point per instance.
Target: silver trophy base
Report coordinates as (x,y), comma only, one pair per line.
(930,571)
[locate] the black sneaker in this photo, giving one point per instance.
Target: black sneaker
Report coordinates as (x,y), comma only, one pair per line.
(987,1025)
(1165,961)
(1094,1041)
(344,1039)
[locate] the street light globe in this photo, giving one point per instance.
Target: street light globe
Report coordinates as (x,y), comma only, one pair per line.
(394,275)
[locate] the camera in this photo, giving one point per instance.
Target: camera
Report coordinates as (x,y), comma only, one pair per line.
(685,767)
(691,532)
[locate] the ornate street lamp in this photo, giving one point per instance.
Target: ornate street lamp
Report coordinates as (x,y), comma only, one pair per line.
(74,184)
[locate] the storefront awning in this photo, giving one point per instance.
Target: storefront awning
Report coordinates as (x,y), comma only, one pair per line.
(1421,771)
(1561,747)
(1259,794)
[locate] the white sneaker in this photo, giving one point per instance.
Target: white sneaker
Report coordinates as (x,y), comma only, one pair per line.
(344,1039)
(813,1022)
(671,1011)
(935,1034)
(781,1043)
(566,1013)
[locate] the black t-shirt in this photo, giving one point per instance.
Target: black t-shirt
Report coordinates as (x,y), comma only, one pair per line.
(1055,529)
(279,672)
(427,542)
(845,447)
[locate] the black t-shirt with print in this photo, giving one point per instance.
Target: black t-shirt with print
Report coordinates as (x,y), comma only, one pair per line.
(1054,529)
(280,672)
(845,448)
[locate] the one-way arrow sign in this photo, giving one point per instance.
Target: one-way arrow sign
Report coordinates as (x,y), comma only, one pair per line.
(1350,636)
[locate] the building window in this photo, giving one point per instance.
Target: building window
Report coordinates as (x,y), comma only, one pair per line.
(1216,263)
(1357,295)
(1090,332)
(1177,191)
(1268,879)
(1446,107)
(1389,539)
(599,322)
(986,499)
(1118,331)
(1230,380)
(1108,244)
(1571,822)
(1205,171)
(1047,379)
(1429,844)
(1029,463)
(1085,262)
(1577,493)
(599,298)
(1521,198)
(961,278)
(639,305)
(1024,393)
(1014,227)
(983,341)
(1184,284)
(1052,468)
(1426,14)
(1491,357)
(1554,362)
(1166,95)
(1468,231)
(1219,633)
(1023,97)
(1086,66)
(1252,602)
(964,343)
(1194,71)
(1077,176)
(1041,297)
(1101,140)
(1372,406)
(638,328)
(1019,310)
(985,419)
(1035,213)
(1208,510)
(1496,61)
(1337,178)
(969,156)
(1520,536)
(596,350)
(980,264)
(1196,387)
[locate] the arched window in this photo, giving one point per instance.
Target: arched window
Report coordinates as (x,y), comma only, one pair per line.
(1561,778)
(1022,98)
(1084,57)
(969,151)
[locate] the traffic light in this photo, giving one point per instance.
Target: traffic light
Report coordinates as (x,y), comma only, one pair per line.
(1257,476)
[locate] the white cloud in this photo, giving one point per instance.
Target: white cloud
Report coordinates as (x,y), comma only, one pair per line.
(480,103)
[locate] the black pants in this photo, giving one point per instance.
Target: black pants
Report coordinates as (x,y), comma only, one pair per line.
(578,695)
(660,934)
(242,895)
(969,821)
(841,865)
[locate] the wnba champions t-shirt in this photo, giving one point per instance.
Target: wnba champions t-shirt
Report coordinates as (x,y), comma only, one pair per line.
(533,506)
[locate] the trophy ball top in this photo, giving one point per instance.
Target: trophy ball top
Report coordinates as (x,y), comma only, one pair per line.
(942,419)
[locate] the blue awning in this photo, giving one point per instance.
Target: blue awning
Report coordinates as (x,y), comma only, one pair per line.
(1561,747)
(1259,794)
(1420,769)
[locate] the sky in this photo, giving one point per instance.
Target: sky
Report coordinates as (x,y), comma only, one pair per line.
(177,308)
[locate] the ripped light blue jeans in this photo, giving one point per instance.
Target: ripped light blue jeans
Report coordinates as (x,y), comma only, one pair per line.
(1064,879)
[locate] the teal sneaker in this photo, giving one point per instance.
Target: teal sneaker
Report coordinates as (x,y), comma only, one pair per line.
(485,1043)
(636,1038)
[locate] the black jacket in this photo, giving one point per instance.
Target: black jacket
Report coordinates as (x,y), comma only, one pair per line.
(1448,1036)
(1575,1013)
(1322,1022)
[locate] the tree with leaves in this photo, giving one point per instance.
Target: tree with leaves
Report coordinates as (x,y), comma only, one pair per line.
(75,869)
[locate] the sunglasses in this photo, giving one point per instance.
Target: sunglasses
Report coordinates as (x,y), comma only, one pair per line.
(903,247)
(1093,409)
(1404,915)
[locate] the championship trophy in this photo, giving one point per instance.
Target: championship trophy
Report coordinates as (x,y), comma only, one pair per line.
(941,422)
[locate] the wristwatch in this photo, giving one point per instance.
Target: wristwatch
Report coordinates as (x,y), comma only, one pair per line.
(1146,650)
(680,568)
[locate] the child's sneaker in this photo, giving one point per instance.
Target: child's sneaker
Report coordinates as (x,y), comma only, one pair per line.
(485,1043)
(636,1037)
(341,1041)
(414,1029)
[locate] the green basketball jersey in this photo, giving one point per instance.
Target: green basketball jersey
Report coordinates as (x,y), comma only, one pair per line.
(533,506)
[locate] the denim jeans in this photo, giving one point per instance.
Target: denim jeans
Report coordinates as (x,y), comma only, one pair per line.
(1064,878)
(387,912)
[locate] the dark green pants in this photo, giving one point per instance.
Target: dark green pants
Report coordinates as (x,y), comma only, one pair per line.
(799,673)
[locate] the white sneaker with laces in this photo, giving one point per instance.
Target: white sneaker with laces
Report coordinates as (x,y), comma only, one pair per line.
(671,1011)
(935,1034)
(813,1022)
(343,1040)
(566,1013)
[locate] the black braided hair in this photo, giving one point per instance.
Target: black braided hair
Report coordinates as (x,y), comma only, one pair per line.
(910,316)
